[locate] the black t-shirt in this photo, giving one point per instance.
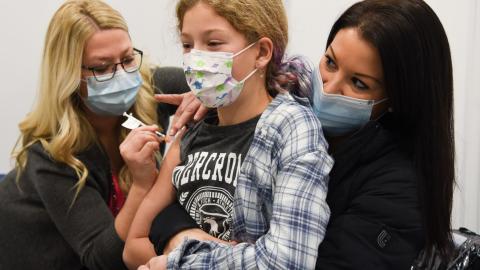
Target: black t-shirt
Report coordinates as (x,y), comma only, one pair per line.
(211,157)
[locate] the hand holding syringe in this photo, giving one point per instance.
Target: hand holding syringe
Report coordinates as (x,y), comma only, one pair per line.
(133,123)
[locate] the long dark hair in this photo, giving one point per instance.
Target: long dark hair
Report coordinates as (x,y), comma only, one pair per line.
(418,79)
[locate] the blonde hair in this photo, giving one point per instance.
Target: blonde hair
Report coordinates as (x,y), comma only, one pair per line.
(58,121)
(255,19)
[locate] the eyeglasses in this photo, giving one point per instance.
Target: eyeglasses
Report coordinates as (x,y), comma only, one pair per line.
(130,63)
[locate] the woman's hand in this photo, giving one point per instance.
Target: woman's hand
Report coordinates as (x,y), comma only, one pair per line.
(138,151)
(155,263)
(198,234)
(189,108)
(138,248)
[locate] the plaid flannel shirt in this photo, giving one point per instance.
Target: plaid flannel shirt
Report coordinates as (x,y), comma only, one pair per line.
(280,211)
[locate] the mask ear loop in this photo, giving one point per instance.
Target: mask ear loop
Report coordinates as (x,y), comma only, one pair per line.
(240,52)
(388,110)
(379,101)
(244,49)
(249,75)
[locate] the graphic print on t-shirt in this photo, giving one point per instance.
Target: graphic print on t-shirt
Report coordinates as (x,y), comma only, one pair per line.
(206,178)
(205,187)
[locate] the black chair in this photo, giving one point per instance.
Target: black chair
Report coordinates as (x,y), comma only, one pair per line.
(466,257)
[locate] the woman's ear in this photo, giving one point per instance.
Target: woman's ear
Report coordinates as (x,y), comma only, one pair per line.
(265,52)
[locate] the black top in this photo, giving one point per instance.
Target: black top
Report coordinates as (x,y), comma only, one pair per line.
(39,230)
(375,220)
(211,157)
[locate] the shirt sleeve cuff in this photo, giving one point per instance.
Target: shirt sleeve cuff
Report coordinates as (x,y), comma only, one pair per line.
(167,224)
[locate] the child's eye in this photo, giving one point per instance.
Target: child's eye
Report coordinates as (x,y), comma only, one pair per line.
(186,46)
(214,43)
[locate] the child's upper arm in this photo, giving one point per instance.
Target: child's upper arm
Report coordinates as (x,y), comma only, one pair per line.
(160,196)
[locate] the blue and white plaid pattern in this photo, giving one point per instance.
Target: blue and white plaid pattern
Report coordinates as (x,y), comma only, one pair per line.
(280,211)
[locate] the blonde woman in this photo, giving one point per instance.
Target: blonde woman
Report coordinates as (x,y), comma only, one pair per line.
(65,205)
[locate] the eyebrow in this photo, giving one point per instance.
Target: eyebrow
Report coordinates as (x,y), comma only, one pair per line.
(208,32)
(109,58)
(356,73)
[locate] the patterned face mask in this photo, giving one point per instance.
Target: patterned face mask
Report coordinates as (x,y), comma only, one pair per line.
(209,75)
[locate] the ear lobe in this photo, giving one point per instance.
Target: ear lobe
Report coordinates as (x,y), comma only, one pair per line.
(265,52)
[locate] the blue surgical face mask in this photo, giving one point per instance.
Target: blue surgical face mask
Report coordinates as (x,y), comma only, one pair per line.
(115,96)
(339,114)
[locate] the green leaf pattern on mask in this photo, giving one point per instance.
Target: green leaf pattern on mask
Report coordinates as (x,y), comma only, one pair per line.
(200,63)
(220,88)
(200,74)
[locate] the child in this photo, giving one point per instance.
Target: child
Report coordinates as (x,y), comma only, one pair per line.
(256,170)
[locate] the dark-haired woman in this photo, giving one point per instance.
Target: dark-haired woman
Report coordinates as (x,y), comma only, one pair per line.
(386,109)
(384,94)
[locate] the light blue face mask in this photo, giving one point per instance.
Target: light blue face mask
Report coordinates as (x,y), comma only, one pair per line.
(339,114)
(115,96)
